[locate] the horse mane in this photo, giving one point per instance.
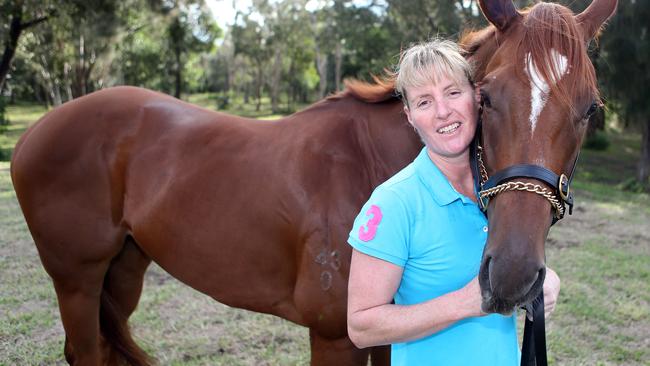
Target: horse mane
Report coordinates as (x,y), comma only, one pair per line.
(550,26)
(471,39)
(382,90)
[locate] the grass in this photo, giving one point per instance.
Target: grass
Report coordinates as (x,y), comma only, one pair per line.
(602,254)
(19,117)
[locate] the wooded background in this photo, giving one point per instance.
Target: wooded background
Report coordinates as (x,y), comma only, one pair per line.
(286,52)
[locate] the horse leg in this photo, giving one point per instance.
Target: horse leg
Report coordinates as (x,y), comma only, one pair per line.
(122,289)
(79,304)
(340,352)
(95,301)
(380,356)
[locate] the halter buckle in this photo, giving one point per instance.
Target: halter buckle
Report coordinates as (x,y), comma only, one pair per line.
(563,187)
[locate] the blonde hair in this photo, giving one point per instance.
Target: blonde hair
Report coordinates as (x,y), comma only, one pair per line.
(428,62)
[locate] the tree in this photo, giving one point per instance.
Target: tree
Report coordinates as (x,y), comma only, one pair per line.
(141,54)
(418,20)
(65,51)
(625,55)
(326,37)
(16,17)
(369,40)
(250,39)
(190,29)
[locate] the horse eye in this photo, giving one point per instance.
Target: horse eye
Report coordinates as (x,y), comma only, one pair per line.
(485,99)
(592,109)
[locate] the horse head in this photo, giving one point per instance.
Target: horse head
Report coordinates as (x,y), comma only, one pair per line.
(538,89)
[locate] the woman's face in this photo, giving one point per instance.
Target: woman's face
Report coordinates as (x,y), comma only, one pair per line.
(445,115)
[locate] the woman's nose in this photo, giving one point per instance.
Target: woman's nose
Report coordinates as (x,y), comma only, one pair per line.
(442,109)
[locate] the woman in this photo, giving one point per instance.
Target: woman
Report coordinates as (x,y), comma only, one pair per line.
(418,241)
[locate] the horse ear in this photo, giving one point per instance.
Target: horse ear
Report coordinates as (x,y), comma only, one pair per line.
(592,18)
(500,13)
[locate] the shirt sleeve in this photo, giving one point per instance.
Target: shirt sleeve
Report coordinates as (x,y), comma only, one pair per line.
(382,228)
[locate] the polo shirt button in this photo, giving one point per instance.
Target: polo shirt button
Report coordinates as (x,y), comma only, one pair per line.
(485,229)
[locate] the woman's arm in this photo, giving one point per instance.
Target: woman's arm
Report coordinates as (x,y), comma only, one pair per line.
(373,320)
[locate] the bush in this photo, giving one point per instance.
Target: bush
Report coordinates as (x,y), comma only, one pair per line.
(634,186)
(598,141)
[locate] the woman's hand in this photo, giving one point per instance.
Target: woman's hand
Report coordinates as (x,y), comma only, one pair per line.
(551,291)
(472,297)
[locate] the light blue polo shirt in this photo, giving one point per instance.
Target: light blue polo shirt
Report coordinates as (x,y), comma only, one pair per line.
(418,221)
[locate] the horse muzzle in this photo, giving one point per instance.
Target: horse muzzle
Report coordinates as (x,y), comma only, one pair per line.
(505,286)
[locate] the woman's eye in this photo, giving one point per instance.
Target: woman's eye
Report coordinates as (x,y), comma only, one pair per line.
(485,100)
(423,103)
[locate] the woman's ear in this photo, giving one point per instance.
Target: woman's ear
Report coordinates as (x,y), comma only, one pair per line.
(477,94)
(407,111)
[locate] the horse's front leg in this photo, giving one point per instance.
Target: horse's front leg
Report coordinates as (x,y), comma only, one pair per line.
(339,352)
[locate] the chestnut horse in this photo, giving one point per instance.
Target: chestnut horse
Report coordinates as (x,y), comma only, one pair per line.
(256,214)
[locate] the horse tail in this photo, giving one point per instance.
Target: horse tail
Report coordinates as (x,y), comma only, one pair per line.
(115,330)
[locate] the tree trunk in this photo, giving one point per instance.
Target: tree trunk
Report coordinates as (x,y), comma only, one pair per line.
(10,48)
(275,79)
(178,73)
(15,29)
(258,85)
(338,61)
(79,69)
(644,162)
(321,67)
(67,80)
(52,84)
(291,92)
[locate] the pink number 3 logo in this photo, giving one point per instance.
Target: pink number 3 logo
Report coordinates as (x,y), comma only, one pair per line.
(368,232)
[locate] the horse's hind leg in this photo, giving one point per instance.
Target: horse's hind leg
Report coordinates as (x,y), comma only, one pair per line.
(122,289)
(95,301)
(78,304)
(123,283)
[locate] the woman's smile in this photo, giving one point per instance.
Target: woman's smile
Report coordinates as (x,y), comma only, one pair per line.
(449,129)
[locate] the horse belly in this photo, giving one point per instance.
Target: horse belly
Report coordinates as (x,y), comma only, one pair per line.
(208,223)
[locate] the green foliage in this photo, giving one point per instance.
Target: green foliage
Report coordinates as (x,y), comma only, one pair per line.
(597,141)
(634,186)
(190,29)
(625,59)
(625,66)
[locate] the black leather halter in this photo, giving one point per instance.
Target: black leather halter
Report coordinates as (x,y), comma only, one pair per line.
(560,184)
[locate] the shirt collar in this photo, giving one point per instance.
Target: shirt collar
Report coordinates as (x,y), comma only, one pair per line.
(437,183)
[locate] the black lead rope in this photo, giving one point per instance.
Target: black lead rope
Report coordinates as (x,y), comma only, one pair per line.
(533,347)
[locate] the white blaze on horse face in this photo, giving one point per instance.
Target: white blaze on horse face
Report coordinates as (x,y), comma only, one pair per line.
(539,87)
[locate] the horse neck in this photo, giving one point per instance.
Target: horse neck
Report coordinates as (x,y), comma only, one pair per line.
(386,140)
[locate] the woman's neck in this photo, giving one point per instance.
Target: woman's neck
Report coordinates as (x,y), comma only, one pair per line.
(457,170)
